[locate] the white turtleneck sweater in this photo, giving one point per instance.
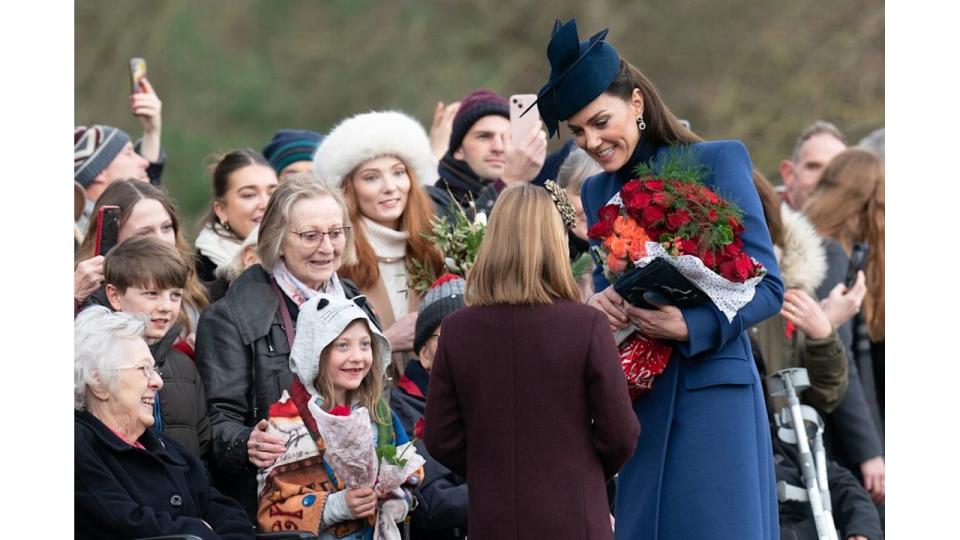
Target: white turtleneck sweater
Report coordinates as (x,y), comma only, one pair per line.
(391,245)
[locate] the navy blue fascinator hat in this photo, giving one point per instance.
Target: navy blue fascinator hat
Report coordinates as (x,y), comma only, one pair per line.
(579,72)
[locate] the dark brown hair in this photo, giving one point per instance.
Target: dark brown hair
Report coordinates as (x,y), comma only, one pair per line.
(771,206)
(220,170)
(663,127)
(145,261)
(126,194)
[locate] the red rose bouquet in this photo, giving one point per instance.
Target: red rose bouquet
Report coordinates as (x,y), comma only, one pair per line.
(670,214)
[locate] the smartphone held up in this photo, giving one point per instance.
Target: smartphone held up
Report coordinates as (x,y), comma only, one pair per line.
(138,71)
(523,117)
(108,227)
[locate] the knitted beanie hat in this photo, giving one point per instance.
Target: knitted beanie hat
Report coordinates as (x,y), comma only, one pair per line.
(320,321)
(444,297)
(291,145)
(94,148)
(475,106)
(371,135)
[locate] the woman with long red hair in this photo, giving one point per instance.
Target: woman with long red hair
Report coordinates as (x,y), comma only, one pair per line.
(380,160)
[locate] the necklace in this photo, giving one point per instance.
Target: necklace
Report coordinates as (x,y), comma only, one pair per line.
(389,260)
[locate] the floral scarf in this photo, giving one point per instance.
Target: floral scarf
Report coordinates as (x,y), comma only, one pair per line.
(298,291)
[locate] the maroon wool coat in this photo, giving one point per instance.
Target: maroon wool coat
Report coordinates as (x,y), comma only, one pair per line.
(528,402)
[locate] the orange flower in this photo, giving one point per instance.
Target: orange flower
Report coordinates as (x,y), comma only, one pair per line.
(624,226)
(618,247)
(616,264)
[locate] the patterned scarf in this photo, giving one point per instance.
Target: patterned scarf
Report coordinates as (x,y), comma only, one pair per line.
(298,291)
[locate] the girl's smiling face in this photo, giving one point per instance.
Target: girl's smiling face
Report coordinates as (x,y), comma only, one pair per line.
(349,358)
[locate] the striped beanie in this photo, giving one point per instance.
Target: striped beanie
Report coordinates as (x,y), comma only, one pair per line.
(290,146)
(94,148)
(444,297)
(475,106)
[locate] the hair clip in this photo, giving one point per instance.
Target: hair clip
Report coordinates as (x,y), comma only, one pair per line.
(562,202)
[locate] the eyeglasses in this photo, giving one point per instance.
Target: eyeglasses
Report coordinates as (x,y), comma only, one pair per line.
(147,369)
(311,239)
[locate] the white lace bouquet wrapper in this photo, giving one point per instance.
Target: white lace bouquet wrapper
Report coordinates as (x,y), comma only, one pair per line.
(728,296)
(349,450)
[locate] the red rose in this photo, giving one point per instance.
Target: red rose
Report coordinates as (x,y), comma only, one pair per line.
(663,198)
(639,200)
(744,266)
(609,212)
(652,215)
(728,270)
(708,258)
(712,197)
(340,410)
(653,185)
(600,230)
(731,250)
(688,247)
(712,215)
(418,428)
(629,189)
(677,219)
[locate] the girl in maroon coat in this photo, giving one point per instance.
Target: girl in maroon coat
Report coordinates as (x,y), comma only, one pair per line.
(526,396)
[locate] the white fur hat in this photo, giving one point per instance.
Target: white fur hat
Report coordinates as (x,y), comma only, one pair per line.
(371,135)
(320,321)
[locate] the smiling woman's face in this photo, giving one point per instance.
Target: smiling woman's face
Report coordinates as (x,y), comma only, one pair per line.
(607,129)
(381,187)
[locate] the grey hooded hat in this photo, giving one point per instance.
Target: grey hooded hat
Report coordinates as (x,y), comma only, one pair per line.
(321,320)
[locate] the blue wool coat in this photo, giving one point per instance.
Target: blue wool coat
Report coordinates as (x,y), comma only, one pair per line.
(703,465)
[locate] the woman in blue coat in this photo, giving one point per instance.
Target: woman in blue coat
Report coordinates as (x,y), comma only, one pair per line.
(703,464)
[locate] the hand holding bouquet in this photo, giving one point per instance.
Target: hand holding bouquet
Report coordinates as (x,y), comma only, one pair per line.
(667,233)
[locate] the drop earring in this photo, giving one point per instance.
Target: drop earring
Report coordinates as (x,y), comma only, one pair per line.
(641,125)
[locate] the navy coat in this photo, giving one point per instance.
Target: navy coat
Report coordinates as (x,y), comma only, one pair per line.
(124,492)
(703,465)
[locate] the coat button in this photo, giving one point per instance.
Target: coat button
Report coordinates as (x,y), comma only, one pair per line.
(176,500)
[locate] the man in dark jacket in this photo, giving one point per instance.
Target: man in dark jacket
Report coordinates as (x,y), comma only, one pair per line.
(481,159)
(441,512)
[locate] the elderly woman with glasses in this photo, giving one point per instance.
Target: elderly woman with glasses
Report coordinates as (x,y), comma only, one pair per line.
(244,339)
(130,481)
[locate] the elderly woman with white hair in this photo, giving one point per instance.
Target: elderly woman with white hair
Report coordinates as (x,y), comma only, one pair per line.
(244,339)
(130,481)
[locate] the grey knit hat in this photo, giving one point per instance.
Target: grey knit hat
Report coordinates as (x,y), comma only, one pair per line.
(444,297)
(94,148)
(320,321)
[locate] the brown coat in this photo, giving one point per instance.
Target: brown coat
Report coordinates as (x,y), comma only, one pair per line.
(528,402)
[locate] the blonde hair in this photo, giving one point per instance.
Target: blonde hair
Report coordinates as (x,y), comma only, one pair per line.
(370,390)
(524,257)
(848,205)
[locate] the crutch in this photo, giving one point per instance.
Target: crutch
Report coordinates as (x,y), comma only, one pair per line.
(789,382)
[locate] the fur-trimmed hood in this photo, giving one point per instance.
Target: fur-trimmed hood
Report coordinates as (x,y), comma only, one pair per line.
(371,135)
(802,258)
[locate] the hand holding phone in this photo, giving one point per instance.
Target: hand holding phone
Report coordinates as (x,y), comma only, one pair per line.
(108,227)
(523,117)
(858,260)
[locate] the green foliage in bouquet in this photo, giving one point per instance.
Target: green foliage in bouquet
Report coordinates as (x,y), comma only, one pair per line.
(458,242)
